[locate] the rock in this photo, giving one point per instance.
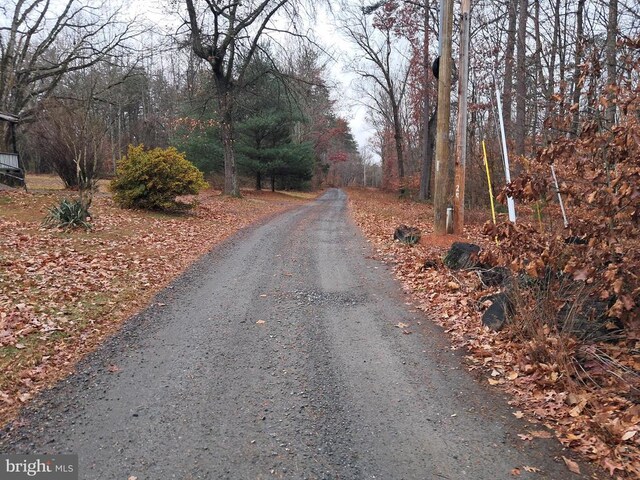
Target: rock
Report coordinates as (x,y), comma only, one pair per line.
(462,255)
(495,277)
(587,319)
(500,311)
(406,234)
(428,264)
(575,240)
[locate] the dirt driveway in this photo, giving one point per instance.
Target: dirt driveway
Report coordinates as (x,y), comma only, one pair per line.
(284,353)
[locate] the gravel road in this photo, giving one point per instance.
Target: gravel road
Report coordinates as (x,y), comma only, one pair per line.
(276,356)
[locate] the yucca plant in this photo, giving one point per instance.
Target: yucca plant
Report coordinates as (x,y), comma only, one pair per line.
(68,215)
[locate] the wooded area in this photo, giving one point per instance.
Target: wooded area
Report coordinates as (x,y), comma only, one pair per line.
(88,80)
(551,61)
(557,64)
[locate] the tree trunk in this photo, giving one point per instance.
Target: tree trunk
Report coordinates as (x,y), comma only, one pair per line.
(562,55)
(612,34)
(521,85)
(430,144)
(273,183)
(577,73)
(507,95)
(552,61)
(540,81)
(431,133)
(258,180)
(397,127)
(225,103)
(427,153)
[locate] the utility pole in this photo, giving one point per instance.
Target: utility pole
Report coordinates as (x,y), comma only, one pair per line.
(461,136)
(441,181)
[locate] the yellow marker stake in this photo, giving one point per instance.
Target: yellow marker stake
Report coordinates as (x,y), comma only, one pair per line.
(486,166)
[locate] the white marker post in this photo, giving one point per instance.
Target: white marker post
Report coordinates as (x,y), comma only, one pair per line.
(564,213)
(505,156)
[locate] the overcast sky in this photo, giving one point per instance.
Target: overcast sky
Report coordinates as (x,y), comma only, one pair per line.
(347,103)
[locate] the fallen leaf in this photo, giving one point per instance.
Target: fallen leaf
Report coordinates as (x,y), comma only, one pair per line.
(541,434)
(512,375)
(453,286)
(401,325)
(577,410)
(5,398)
(132,477)
(531,469)
(571,437)
(571,465)
(20,346)
(525,437)
(573,399)
(581,275)
(532,270)
(515,471)
(629,435)
(518,414)
(260,322)
(23,397)
(612,467)
(114,368)
(629,303)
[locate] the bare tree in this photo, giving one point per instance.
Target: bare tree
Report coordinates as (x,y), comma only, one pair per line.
(73,140)
(507,96)
(521,74)
(40,43)
(227,34)
(428,119)
(577,72)
(611,59)
(384,66)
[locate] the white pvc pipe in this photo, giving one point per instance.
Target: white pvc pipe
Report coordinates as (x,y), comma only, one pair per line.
(505,157)
(564,213)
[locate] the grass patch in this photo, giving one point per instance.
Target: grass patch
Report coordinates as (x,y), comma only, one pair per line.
(51,182)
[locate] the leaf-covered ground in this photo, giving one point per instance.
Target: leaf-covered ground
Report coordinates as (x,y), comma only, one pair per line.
(602,423)
(61,292)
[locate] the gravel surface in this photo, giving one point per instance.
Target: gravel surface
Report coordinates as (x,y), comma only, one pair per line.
(276,356)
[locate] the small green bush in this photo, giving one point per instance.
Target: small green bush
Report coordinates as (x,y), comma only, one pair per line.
(68,215)
(152,179)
